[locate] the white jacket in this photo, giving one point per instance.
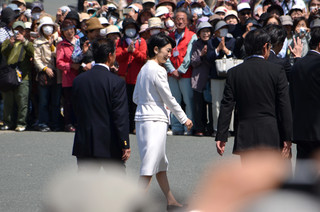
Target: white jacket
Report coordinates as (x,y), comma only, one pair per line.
(152,93)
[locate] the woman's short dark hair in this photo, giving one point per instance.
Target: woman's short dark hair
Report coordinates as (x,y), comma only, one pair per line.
(101,48)
(272,16)
(315,38)
(160,40)
(255,41)
(277,34)
(297,20)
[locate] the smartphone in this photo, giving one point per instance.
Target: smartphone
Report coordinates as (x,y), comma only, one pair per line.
(127,10)
(15,32)
(34,34)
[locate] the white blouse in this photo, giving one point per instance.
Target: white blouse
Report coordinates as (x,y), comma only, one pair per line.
(152,93)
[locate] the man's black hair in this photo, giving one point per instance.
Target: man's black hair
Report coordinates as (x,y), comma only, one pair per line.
(315,38)
(255,40)
(101,48)
(277,34)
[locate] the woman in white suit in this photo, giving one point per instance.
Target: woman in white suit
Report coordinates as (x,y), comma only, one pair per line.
(152,95)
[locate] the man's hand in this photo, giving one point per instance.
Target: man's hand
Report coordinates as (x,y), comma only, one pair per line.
(87,67)
(75,66)
(20,37)
(126,154)
(12,40)
(220,147)
(188,124)
(297,47)
(49,72)
(176,74)
(286,149)
(85,47)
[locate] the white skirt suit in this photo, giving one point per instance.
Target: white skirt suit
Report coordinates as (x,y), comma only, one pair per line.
(151,94)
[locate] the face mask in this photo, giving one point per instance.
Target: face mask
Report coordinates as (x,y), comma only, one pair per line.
(231,27)
(103,32)
(114,20)
(35,16)
(130,32)
(47,30)
(197,10)
(154,31)
(169,23)
(223,32)
(253,28)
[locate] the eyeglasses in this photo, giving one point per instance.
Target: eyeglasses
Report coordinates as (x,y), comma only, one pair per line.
(245,13)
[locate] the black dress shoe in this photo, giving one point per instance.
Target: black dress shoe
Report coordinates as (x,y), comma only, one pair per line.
(175,208)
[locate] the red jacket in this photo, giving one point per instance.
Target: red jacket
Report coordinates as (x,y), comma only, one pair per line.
(131,63)
(64,52)
(182,48)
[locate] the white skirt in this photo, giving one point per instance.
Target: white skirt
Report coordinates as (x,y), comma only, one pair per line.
(151,137)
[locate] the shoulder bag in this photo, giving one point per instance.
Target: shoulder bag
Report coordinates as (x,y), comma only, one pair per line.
(223,65)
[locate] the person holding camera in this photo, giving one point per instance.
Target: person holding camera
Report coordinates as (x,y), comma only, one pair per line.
(18,52)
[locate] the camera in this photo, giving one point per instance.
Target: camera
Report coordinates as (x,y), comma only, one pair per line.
(15,32)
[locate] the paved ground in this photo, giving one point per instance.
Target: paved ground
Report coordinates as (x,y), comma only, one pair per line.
(28,159)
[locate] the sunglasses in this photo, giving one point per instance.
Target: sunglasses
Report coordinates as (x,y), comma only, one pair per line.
(245,13)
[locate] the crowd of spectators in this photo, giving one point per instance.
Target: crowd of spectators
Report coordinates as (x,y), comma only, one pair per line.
(50,51)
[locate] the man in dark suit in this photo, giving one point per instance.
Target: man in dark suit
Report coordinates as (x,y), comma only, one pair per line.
(259,90)
(278,35)
(100,104)
(306,102)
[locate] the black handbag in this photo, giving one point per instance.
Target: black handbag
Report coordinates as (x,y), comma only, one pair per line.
(9,78)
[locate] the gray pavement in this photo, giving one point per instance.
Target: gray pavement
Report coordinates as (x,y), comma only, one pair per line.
(29,159)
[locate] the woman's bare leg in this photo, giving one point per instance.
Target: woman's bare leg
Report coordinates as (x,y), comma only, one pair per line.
(164,185)
(145,181)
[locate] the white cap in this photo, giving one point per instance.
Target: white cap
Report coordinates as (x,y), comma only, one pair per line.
(136,9)
(221,9)
(28,25)
(231,12)
(296,7)
(161,11)
(103,20)
(243,6)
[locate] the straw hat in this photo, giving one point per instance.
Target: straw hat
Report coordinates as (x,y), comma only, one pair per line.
(112,29)
(93,23)
(155,23)
(143,28)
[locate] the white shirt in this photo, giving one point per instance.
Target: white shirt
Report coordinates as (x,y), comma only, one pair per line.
(102,64)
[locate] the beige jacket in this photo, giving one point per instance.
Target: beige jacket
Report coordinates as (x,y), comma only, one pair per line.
(43,56)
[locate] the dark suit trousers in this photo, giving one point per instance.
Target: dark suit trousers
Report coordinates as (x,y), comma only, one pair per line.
(132,106)
(95,164)
(305,149)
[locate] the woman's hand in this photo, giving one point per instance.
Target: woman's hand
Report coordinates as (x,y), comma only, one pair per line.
(204,51)
(188,124)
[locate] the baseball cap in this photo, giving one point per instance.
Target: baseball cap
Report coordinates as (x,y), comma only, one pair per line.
(243,6)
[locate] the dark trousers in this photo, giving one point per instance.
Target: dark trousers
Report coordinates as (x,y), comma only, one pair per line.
(49,105)
(132,106)
(200,115)
(305,151)
(67,106)
(95,164)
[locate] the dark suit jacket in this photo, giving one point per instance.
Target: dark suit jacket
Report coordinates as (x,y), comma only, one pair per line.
(101,108)
(259,90)
(284,62)
(305,87)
